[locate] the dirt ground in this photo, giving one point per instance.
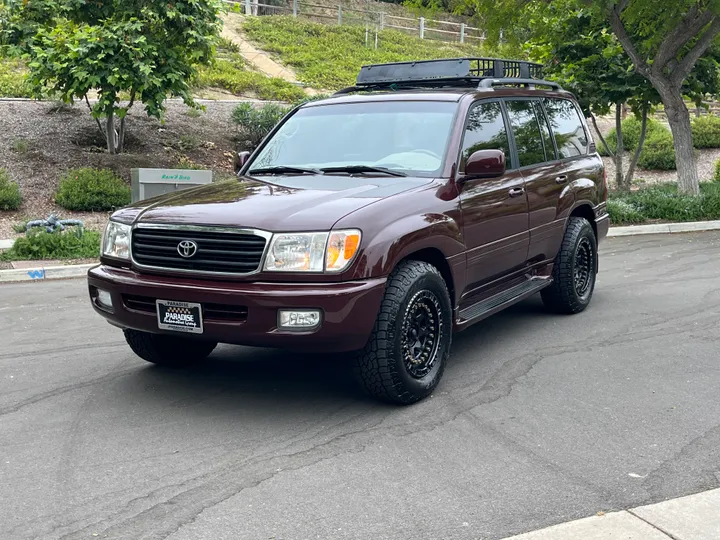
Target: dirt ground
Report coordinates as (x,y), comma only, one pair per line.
(39,141)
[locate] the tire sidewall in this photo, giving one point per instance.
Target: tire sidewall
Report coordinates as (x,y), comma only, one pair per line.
(422,387)
(586,231)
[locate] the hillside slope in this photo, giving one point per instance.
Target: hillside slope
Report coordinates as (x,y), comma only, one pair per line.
(330,57)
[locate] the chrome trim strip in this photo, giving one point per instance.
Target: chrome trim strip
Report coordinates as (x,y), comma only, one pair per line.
(200,228)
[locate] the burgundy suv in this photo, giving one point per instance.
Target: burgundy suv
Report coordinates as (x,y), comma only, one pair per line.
(376,222)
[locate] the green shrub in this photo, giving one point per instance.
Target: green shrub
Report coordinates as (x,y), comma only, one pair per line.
(663,202)
(40,244)
(256,122)
(717,170)
(623,212)
(13,79)
(10,198)
(631,128)
(706,132)
(92,190)
(658,152)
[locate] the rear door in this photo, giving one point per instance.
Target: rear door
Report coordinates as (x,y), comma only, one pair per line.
(494,210)
(544,174)
(549,197)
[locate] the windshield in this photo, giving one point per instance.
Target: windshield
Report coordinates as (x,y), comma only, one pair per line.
(409,137)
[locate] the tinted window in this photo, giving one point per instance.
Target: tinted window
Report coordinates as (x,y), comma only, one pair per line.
(567,127)
(526,131)
(485,131)
(547,139)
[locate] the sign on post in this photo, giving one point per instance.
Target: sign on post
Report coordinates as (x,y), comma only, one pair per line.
(148,183)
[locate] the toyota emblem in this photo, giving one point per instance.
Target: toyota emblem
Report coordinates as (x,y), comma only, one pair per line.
(187,249)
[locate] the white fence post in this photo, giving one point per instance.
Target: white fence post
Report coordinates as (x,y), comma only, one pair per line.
(422,27)
(367,33)
(339,15)
(462,33)
(376,36)
(382,20)
(247,8)
(295,11)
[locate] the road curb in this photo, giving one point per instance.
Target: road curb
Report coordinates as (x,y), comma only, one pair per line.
(665,228)
(42,273)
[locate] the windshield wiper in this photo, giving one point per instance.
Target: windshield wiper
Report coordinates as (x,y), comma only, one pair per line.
(361,169)
(283,169)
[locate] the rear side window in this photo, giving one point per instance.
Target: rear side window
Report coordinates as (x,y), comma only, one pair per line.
(567,127)
(485,131)
(526,131)
(545,130)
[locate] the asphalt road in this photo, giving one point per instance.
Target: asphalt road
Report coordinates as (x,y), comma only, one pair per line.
(539,419)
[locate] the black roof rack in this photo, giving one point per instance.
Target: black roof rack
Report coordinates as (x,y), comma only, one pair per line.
(451,72)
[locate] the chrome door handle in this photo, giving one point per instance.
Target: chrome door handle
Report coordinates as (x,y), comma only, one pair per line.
(561,179)
(516,192)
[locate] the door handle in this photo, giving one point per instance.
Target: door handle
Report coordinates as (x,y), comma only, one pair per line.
(516,192)
(561,179)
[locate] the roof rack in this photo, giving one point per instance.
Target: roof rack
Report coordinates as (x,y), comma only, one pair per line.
(451,72)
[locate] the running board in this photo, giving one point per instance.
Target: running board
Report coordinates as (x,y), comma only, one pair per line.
(500,301)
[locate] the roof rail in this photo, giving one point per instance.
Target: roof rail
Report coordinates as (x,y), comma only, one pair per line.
(530,83)
(453,72)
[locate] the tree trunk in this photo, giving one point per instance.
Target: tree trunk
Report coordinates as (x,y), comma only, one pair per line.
(121,137)
(110,133)
(679,119)
(641,142)
(600,135)
(619,149)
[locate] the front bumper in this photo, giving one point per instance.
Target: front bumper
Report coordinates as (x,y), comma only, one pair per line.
(349,309)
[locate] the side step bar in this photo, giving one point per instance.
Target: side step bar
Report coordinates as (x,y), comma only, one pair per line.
(500,301)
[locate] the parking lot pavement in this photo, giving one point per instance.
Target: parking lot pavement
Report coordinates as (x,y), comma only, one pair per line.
(539,420)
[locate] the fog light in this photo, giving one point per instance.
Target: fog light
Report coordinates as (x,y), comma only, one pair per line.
(104,300)
(299,319)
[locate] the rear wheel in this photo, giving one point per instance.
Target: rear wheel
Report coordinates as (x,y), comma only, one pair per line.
(169,351)
(575,269)
(405,357)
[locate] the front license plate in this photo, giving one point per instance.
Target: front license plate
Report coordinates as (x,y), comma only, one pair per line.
(180,316)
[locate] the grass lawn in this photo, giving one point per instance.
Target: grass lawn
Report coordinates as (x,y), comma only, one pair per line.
(330,57)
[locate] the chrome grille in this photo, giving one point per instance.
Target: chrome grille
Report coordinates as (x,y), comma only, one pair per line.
(219,250)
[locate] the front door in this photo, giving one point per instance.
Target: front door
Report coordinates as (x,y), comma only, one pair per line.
(495,210)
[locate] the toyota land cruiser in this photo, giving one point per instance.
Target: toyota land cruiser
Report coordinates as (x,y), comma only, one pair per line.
(376,222)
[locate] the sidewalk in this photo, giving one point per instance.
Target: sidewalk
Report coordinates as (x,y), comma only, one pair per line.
(695,517)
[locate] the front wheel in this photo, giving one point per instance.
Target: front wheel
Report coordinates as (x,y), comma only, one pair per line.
(405,357)
(575,269)
(168,351)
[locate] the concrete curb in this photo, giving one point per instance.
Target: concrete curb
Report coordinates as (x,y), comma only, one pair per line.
(42,273)
(693,516)
(665,228)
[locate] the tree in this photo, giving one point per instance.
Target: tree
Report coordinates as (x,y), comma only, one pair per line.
(664,39)
(126,50)
(588,60)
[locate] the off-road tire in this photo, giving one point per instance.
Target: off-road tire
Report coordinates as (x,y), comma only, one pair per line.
(380,367)
(168,351)
(563,296)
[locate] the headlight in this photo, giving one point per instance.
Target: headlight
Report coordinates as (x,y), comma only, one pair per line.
(116,241)
(312,252)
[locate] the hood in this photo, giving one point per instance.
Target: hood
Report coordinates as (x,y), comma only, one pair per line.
(295,203)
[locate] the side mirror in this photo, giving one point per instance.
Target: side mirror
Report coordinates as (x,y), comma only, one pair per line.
(240,160)
(485,164)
